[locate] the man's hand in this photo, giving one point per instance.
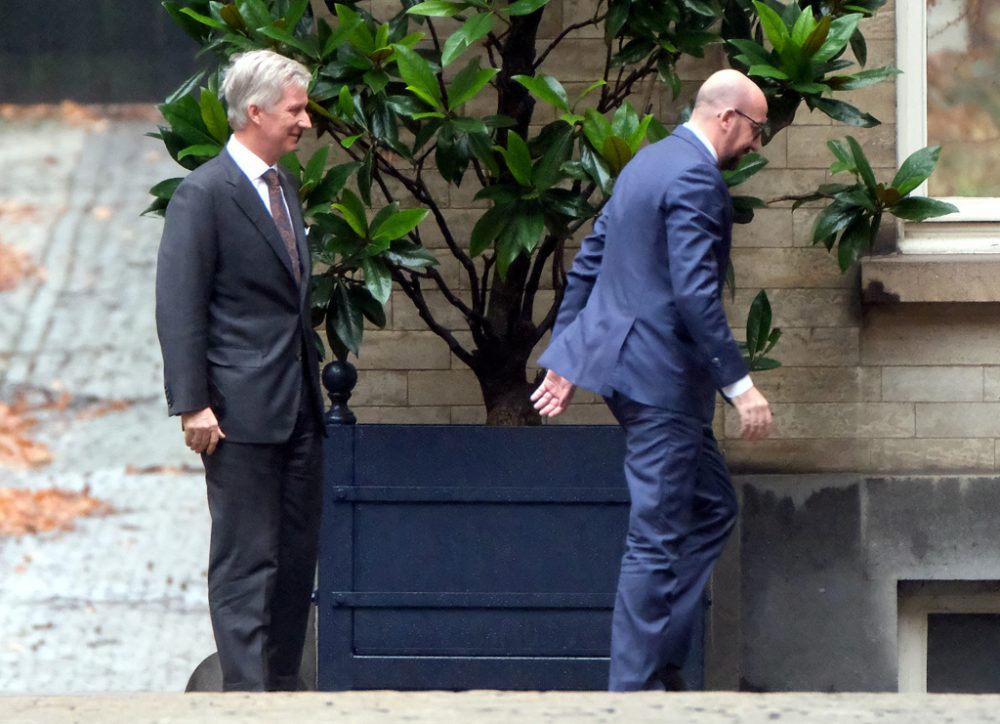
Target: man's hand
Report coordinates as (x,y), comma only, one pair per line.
(201,430)
(755,414)
(553,395)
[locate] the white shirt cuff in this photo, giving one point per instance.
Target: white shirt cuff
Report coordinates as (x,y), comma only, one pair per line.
(738,388)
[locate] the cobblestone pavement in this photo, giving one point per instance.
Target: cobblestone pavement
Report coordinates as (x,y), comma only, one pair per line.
(118,602)
(490,707)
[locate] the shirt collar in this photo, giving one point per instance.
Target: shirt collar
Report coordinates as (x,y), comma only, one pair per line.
(703,138)
(249,162)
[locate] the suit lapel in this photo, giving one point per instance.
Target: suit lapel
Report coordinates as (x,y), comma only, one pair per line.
(248,200)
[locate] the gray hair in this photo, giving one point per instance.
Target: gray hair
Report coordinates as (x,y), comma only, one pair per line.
(258,78)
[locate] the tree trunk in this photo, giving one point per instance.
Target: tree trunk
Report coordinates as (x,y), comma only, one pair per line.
(507,395)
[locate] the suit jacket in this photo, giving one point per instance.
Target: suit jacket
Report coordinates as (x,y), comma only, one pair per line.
(233,324)
(642,313)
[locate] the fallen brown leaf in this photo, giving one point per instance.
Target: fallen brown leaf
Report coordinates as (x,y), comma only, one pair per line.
(16,449)
(24,512)
(15,266)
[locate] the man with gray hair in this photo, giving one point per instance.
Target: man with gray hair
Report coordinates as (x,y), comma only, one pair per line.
(241,371)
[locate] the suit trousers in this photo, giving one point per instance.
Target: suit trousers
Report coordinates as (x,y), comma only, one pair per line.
(683,507)
(265,503)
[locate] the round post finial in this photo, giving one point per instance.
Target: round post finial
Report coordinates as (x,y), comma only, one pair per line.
(339,379)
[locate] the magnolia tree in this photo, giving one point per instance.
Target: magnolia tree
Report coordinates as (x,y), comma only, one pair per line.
(444,94)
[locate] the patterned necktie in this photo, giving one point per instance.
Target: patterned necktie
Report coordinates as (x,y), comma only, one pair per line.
(281,220)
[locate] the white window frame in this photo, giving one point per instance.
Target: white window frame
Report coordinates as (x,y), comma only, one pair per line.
(975,229)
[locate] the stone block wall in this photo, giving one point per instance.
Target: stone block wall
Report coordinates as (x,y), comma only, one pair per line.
(863,387)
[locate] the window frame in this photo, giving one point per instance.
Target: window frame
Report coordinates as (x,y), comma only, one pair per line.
(976,227)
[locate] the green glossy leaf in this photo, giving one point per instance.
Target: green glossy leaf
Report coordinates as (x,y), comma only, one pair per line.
(518,158)
(419,76)
(523,7)
(558,151)
(204,150)
(378,281)
(862,165)
(407,254)
(855,240)
(844,112)
(437,8)
(214,116)
(399,224)
(488,227)
(203,19)
(915,169)
(473,30)
(758,323)
(834,219)
(803,28)
(353,211)
(774,27)
(865,78)
(344,320)
(841,30)
(747,167)
(616,153)
(767,71)
(469,81)
(545,88)
(921,208)
(309,47)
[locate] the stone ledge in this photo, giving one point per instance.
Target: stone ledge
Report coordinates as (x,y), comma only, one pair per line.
(931,278)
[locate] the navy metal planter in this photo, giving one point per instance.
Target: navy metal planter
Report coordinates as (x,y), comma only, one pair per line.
(470,557)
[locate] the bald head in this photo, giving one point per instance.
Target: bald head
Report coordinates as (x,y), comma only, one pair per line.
(730,111)
(727,89)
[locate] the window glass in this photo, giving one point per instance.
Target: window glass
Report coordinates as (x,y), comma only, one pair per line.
(963,96)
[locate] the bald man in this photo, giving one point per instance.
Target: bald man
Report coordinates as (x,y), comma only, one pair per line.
(642,324)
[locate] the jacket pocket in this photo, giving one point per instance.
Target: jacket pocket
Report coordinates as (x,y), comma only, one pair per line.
(235,357)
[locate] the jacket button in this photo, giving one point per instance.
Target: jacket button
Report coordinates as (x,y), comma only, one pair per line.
(716,362)
(298,356)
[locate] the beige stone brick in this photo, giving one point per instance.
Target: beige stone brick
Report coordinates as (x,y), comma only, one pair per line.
(834,420)
(800,307)
(818,347)
(582,60)
(878,100)
(450,387)
(468,415)
(932,384)
(931,334)
(393,350)
(796,267)
(552,21)
(460,224)
(991,384)
(776,153)
(698,69)
(773,184)
(380,388)
(592,414)
(797,456)
(881,52)
(820,384)
(770,227)
(403,415)
(580,11)
(406,316)
(882,26)
(933,456)
(803,221)
(808,149)
(958,419)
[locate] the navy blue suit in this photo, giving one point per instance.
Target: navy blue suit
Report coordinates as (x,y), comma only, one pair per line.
(642,323)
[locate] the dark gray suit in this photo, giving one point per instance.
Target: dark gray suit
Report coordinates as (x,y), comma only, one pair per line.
(235,332)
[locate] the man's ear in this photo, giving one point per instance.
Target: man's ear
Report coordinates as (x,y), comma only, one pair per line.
(253,113)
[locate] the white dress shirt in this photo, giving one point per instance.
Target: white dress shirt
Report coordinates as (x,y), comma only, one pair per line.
(254,167)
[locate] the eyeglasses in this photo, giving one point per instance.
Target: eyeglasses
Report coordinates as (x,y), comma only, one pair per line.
(758,127)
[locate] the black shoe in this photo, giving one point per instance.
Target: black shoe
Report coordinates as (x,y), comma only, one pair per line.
(670,677)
